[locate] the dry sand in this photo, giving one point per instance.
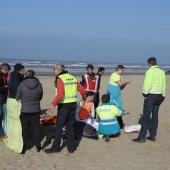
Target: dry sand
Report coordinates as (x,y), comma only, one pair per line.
(120,154)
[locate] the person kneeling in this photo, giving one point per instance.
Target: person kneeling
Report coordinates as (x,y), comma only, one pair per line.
(106,115)
(85,109)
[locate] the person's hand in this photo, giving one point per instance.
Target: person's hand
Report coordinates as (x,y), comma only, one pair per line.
(128,82)
(6,86)
(51,108)
(97,119)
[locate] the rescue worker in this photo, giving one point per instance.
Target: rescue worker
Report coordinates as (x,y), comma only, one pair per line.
(66,100)
(116,85)
(154,89)
(90,81)
(106,113)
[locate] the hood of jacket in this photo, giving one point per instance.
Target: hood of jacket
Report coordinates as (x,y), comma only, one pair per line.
(31,83)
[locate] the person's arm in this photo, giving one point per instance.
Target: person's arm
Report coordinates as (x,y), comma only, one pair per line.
(19,92)
(122,84)
(147,84)
(2,89)
(81,90)
(60,92)
(164,86)
(41,88)
(97,117)
(82,82)
(92,111)
(116,111)
(78,111)
(99,82)
(117,79)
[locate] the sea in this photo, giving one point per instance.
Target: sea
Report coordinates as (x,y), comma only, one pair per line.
(45,67)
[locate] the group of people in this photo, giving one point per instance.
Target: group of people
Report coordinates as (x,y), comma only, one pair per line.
(20,96)
(20,105)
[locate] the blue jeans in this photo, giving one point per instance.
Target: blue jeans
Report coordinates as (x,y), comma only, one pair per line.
(151,105)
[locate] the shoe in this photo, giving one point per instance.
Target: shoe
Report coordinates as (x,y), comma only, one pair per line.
(107,138)
(52,151)
(71,150)
(2,138)
(100,136)
(39,149)
(23,150)
(138,140)
(153,139)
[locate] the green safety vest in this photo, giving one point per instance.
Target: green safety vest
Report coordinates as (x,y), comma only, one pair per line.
(107,112)
(70,88)
(155,81)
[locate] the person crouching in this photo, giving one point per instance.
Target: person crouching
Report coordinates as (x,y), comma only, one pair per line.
(85,108)
(30,93)
(106,115)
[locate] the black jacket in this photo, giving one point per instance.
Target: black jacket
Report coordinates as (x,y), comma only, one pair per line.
(14,81)
(30,93)
(3,94)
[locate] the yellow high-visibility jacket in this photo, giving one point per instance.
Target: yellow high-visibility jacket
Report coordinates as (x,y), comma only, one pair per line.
(155,81)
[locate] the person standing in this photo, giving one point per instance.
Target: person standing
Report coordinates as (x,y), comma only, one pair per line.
(30,93)
(4,70)
(100,72)
(14,129)
(66,100)
(116,85)
(90,81)
(154,89)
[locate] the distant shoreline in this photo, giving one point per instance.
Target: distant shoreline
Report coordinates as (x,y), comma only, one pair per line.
(81,72)
(78,68)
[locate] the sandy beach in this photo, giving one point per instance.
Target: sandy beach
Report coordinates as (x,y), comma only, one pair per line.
(119,154)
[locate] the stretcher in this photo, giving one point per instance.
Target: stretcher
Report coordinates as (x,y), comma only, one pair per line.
(47,120)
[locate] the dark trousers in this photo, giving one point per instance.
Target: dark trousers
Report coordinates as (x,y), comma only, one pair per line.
(65,116)
(1,118)
(30,122)
(96,100)
(151,105)
(120,121)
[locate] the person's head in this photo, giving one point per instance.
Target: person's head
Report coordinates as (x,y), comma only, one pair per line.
(105,98)
(90,68)
(19,68)
(101,71)
(90,96)
(120,69)
(58,69)
(152,61)
(5,68)
(30,74)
